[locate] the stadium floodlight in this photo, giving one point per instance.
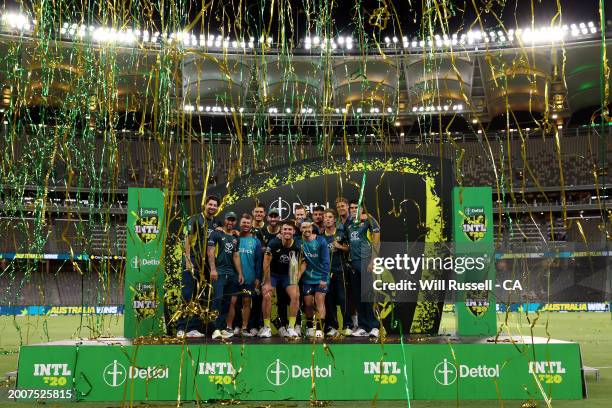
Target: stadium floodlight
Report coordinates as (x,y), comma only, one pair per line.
(592,27)
(340,40)
(200,108)
(414,108)
(316,40)
(359,110)
(288,110)
(387,41)
(241,110)
(394,39)
(389,110)
(414,44)
(208,108)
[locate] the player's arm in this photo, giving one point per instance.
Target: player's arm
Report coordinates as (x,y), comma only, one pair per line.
(210,254)
(375,229)
(303,266)
(375,233)
(258,263)
(238,266)
(188,263)
(266,266)
(325,261)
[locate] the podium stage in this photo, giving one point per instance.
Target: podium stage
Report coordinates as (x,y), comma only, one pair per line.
(429,368)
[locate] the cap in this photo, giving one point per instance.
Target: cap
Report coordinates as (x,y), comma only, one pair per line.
(273,211)
(230,214)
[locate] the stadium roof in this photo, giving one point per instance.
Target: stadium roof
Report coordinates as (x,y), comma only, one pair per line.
(552,71)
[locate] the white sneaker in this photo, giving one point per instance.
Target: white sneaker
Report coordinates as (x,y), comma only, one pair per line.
(245,333)
(332,333)
(319,334)
(291,332)
(298,330)
(374,333)
(347,332)
(180,334)
(194,334)
(359,333)
(236,331)
(221,334)
(265,332)
(254,332)
(310,332)
(282,331)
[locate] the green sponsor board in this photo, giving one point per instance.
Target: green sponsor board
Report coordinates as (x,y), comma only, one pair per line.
(144,270)
(473,236)
(481,371)
(306,371)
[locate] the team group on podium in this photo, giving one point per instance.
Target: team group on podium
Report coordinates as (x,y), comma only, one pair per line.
(314,263)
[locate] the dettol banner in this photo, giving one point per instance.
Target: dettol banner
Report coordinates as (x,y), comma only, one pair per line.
(144,268)
(304,371)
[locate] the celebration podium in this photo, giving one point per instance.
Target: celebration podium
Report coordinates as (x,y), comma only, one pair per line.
(477,364)
(436,368)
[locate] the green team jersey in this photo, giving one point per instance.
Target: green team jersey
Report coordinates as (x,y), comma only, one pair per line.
(360,243)
(316,255)
(199,229)
(336,256)
(225,245)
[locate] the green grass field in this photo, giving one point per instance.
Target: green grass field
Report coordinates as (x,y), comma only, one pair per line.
(593,331)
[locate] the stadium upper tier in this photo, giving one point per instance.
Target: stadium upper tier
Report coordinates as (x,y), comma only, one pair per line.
(550,71)
(516,161)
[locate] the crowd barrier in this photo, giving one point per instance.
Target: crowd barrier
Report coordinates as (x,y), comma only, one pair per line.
(448,308)
(546,307)
(59,310)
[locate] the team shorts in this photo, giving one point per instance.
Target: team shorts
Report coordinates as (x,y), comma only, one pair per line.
(279,281)
(247,287)
(310,289)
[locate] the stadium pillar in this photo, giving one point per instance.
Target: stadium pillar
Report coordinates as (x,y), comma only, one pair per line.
(475,310)
(144,267)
